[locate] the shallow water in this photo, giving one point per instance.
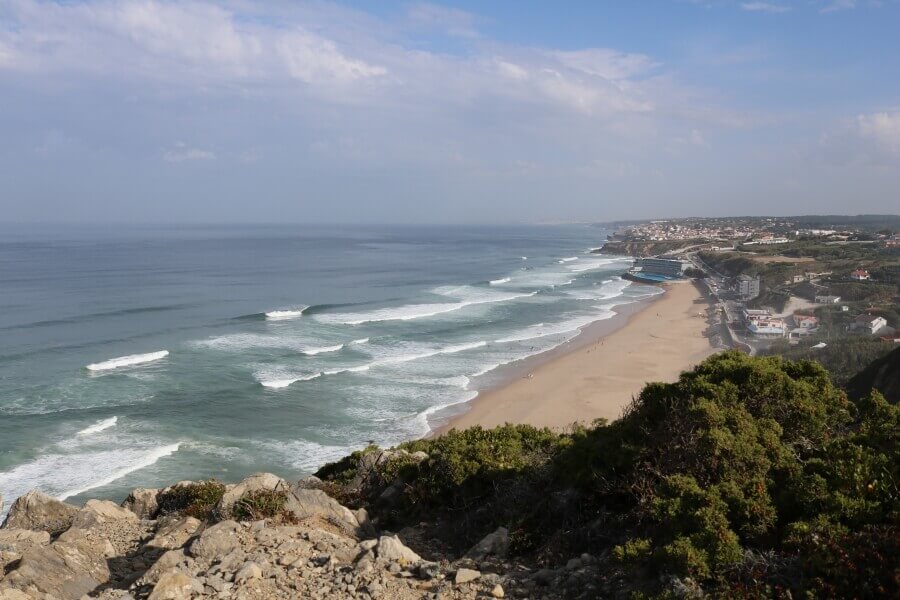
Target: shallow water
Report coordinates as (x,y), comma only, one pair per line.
(140,356)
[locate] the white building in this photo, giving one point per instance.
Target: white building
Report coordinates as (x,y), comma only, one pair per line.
(827,299)
(870,323)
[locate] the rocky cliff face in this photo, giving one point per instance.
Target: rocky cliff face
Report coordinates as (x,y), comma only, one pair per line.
(262,538)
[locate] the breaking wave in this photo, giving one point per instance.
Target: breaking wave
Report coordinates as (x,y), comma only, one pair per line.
(281,315)
(127,361)
(99,426)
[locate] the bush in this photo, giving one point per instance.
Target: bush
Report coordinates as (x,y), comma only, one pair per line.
(196,500)
(754,476)
(262,504)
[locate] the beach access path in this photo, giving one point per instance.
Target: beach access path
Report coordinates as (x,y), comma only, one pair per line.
(598,380)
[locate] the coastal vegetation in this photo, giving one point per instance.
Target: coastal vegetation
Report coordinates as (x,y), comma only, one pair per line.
(752,477)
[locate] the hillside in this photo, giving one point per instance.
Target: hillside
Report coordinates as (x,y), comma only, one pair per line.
(882,375)
(749,477)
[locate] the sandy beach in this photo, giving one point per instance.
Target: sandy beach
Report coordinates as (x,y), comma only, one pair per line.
(599,379)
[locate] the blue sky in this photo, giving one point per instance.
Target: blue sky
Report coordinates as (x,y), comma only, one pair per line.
(468,112)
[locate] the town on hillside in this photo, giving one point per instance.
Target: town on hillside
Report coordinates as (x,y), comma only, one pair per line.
(781,284)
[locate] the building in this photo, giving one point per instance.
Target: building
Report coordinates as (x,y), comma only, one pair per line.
(869,323)
(747,287)
(761,322)
(767,326)
(806,322)
(827,299)
(667,267)
(860,275)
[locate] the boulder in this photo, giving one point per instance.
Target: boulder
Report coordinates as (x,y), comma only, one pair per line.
(11,594)
(22,540)
(310,482)
(466,575)
(493,544)
(39,512)
(72,566)
(175,534)
(257,482)
(167,562)
(142,502)
(101,512)
(307,503)
(248,572)
(175,585)
(391,549)
(217,541)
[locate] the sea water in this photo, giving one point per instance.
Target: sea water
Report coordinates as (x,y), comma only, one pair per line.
(139,356)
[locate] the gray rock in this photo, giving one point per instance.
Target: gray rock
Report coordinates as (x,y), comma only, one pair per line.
(419,456)
(256,482)
(217,541)
(175,535)
(466,575)
(142,502)
(310,482)
(175,585)
(493,544)
(573,564)
(429,570)
(101,512)
(39,512)
(168,561)
(545,577)
(248,572)
(306,503)
(391,549)
(72,566)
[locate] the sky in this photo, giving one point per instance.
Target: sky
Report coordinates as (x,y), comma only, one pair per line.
(142,111)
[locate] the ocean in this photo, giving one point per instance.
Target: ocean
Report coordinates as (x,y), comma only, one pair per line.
(138,356)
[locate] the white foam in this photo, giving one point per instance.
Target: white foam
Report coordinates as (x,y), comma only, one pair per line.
(144,461)
(280,315)
(409,312)
(323,350)
(306,455)
(99,426)
(524,258)
(360,341)
(71,473)
(499,281)
(127,361)
(429,353)
(569,259)
(277,384)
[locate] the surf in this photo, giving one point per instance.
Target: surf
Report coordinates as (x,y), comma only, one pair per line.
(127,361)
(281,315)
(99,426)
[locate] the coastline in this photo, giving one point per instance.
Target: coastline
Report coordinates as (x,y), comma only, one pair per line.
(597,373)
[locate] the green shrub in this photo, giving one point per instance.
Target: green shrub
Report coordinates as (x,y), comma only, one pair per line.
(194,499)
(754,476)
(262,504)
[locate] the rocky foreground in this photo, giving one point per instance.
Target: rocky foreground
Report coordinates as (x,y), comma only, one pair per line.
(309,547)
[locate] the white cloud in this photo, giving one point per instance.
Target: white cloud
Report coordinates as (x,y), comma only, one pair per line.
(837,5)
(767,7)
(313,59)
(882,128)
(180,152)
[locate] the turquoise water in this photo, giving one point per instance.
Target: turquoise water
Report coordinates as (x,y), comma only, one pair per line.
(140,356)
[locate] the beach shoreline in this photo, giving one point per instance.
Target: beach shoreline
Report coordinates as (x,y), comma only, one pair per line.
(598,372)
